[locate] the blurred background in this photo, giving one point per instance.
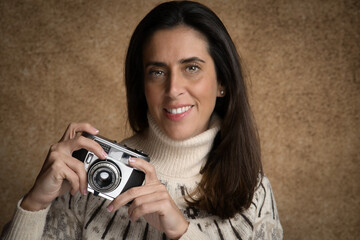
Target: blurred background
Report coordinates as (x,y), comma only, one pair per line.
(62,62)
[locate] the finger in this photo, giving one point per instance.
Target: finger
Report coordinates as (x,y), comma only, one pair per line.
(73,166)
(74,128)
(73,178)
(78,167)
(61,171)
(57,160)
(153,197)
(146,167)
(158,207)
(68,147)
(86,143)
(132,194)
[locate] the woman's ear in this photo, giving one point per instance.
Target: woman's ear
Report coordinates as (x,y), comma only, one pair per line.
(220,91)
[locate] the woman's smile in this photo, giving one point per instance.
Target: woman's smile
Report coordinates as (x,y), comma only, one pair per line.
(178,113)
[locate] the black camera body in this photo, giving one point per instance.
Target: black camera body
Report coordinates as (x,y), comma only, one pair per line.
(110,177)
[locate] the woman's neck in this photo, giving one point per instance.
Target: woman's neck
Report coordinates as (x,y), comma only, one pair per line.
(175,159)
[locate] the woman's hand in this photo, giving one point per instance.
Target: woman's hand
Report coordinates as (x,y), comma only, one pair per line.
(153,202)
(61,172)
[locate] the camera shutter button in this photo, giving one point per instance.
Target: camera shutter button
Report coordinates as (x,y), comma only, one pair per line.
(139,151)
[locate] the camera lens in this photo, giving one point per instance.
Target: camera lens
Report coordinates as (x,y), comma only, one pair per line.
(103,179)
(104,176)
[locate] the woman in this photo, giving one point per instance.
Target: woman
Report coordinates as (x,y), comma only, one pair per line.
(187,104)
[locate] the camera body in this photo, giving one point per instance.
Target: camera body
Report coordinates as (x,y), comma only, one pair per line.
(110,177)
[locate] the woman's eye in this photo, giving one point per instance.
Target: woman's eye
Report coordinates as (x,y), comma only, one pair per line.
(156,73)
(192,69)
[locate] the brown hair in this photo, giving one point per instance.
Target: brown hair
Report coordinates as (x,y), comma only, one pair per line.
(233,168)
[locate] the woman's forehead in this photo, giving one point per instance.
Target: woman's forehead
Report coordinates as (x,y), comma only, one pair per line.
(181,42)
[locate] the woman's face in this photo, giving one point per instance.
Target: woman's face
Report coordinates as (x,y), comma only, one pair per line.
(180,81)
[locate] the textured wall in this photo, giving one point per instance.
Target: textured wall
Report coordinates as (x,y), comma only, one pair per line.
(62,61)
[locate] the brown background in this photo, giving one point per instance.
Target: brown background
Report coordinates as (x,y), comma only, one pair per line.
(62,61)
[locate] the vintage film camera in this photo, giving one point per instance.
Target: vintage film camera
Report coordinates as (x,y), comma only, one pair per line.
(113,176)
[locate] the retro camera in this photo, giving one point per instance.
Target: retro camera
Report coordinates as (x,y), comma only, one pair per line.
(110,177)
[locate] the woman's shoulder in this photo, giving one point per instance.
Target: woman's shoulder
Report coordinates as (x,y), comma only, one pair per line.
(264,199)
(263,193)
(267,222)
(265,181)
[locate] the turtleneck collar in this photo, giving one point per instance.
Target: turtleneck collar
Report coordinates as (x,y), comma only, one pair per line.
(175,159)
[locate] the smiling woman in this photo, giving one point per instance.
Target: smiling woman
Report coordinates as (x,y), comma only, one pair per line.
(180,81)
(188,108)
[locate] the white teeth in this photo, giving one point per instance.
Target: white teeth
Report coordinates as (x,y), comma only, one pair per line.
(178,110)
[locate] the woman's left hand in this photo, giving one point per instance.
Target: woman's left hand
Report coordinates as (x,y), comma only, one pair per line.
(153,202)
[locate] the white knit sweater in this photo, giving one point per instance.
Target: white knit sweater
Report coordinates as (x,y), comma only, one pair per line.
(177,165)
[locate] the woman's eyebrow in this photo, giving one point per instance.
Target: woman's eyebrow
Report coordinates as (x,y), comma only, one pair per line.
(181,61)
(192,59)
(157,64)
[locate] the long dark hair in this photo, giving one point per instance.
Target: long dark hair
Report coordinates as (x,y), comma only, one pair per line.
(233,168)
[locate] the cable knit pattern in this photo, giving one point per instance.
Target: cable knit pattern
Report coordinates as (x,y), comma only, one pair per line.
(177,164)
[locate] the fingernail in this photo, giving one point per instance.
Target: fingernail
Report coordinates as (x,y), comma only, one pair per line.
(132,160)
(110,208)
(85,192)
(96,130)
(104,154)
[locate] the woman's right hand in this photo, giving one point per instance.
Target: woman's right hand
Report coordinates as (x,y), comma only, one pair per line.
(61,172)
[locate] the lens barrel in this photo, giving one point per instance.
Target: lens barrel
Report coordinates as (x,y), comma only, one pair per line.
(104,176)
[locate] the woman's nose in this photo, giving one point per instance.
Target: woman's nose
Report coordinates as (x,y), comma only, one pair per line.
(176,85)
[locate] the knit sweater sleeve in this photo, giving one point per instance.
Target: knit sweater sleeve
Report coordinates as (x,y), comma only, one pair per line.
(61,220)
(25,224)
(260,221)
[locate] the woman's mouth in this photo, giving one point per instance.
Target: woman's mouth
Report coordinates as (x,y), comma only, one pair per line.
(178,113)
(178,110)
